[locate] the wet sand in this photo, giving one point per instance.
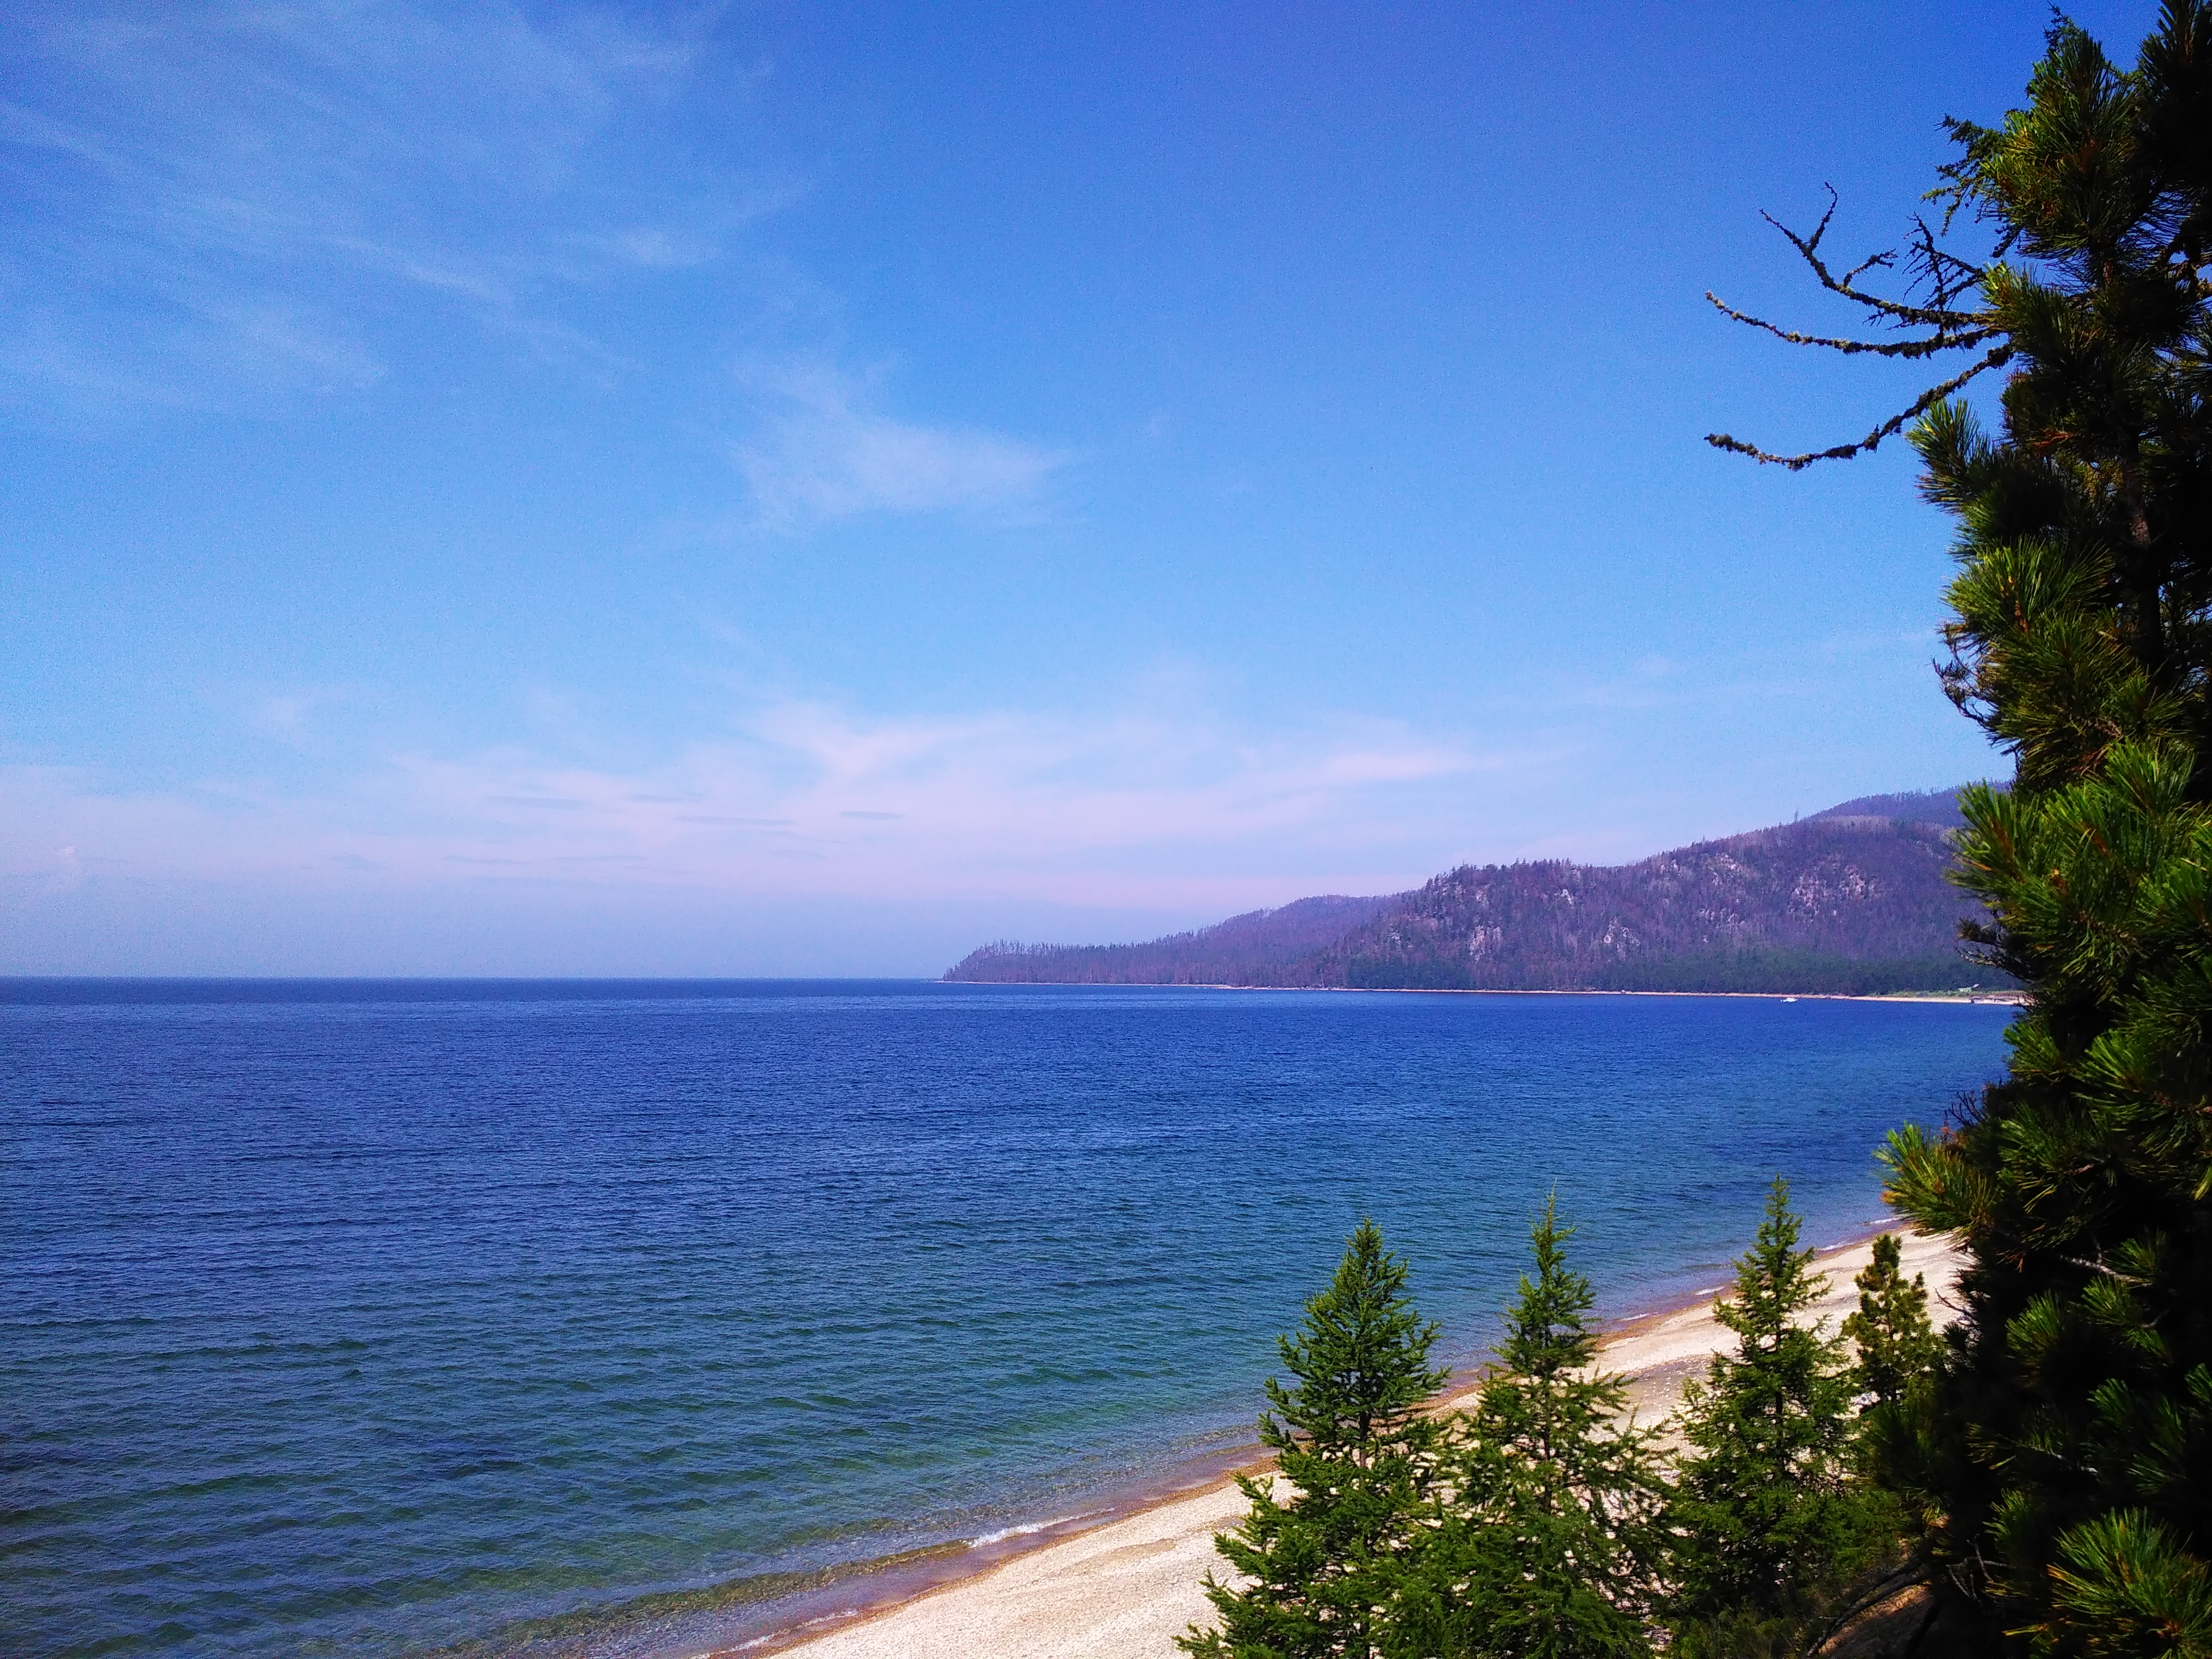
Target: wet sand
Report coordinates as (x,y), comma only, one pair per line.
(1126,1588)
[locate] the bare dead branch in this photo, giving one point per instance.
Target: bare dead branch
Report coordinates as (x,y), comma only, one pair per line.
(1821,229)
(1946,275)
(1949,328)
(2089,1266)
(1943,342)
(1912,1570)
(1920,406)
(1881,261)
(1939,316)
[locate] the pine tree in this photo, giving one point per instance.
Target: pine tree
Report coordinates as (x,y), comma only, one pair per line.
(1549,1539)
(2063,1459)
(1765,1521)
(1897,1345)
(1322,1567)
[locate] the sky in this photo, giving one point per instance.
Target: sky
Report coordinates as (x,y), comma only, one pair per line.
(802,489)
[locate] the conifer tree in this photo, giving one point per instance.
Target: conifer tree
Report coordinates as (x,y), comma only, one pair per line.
(1322,1565)
(1764,1520)
(1896,1344)
(2064,1458)
(1549,1540)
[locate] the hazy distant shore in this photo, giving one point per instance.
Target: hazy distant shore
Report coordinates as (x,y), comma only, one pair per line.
(1857,900)
(1123,1581)
(1964,999)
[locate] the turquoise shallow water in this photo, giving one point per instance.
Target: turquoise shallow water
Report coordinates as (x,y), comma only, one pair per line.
(370,1319)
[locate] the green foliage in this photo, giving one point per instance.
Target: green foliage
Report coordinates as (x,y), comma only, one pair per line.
(2126,1587)
(1774,971)
(1547,1545)
(1768,1524)
(1897,1345)
(2062,1456)
(1321,1567)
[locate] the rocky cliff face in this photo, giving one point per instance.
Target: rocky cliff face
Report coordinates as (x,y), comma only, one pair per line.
(1856,899)
(1794,904)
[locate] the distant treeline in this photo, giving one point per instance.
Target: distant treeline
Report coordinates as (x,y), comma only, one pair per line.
(1854,900)
(1750,972)
(1252,949)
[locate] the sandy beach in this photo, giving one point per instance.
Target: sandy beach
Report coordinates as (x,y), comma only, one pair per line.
(1128,1589)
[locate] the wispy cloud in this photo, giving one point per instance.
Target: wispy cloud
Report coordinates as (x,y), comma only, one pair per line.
(805,799)
(217,203)
(824,450)
(293,714)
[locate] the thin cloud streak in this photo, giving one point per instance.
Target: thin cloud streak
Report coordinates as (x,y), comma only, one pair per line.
(824,452)
(214,204)
(807,799)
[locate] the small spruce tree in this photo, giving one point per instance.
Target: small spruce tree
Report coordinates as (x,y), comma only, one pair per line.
(1897,1345)
(1322,1567)
(1548,1543)
(1766,1525)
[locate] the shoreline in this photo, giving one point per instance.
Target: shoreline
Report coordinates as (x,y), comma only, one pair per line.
(1960,999)
(1121,1578)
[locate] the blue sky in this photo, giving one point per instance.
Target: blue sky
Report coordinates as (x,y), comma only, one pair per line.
(790,488)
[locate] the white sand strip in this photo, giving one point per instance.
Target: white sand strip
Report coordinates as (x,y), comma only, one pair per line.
(1129,1589)
(1657,1354)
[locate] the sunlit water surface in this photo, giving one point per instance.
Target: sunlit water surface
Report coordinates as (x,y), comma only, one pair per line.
(368,1319)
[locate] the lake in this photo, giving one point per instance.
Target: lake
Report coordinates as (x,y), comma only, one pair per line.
(374,1318)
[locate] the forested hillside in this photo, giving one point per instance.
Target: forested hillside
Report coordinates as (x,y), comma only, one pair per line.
(1854,904)
(1852,899)
(1246,950)
(1938,806)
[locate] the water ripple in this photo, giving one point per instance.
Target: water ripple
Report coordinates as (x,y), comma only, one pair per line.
(368,1320)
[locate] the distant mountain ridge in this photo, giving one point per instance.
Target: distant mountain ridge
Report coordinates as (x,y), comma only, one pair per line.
(1852,899)
(1244,950)
(1938,806)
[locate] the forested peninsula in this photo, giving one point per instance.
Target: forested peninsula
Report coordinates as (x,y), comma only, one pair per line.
(1854,900)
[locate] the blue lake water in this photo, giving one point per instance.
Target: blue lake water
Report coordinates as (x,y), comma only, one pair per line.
(362,1319)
